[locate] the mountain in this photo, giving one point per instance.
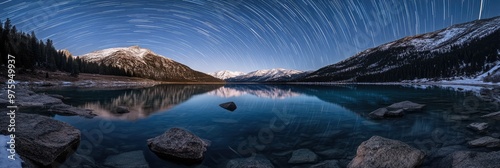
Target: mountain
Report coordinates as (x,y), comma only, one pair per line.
(459,51)
(139,62)
(269,75)
(225,74)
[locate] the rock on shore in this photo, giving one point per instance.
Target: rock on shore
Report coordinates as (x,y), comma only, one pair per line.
(42,139)
(178,144)
(382,152)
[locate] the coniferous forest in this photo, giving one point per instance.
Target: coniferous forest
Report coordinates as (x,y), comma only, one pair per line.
(33,54)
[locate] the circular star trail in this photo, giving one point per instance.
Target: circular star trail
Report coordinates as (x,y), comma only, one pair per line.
(241,35)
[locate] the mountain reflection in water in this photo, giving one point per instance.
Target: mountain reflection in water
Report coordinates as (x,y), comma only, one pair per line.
(142,103)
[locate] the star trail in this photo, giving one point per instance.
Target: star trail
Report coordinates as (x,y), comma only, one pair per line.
(240,35)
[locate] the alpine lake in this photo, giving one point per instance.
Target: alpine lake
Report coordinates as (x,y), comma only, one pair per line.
(274,120)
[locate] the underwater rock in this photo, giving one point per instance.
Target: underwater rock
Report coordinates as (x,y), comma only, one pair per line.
(495,115)
(485,141)
(133,159)
(327,164)
(406,106)
(466,159)
(251,162)
(478,126)
(303,156)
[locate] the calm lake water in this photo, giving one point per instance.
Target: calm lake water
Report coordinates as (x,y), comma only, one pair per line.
(273,120)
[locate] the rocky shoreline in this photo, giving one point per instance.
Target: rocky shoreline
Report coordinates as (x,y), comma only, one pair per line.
(49,142)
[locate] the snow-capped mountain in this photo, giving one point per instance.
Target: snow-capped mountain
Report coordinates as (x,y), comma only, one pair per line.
(225,74)
(263,91)
(141,62)
(269,75)
(462,50)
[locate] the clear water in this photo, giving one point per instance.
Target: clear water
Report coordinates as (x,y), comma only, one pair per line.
(272,120)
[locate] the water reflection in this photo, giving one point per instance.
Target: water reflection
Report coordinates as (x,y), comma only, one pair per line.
(140,103)
(262,91)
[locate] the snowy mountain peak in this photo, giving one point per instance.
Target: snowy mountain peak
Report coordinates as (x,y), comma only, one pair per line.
(266,75)
(135,51)
(225,74)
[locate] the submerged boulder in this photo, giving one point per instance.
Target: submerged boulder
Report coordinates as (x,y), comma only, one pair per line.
(478,126)
(303,156)
(251,162)
(378,114)
(133,159)
(327,164)
(178,144)
(382,152)
(42,139)
(406,106)
(231,106)
(486,141)
(396,110)
(495,115)
(466,159)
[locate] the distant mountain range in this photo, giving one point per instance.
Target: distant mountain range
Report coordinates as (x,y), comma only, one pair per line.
(225,74)
(267,75)
(139,62)
(460,51)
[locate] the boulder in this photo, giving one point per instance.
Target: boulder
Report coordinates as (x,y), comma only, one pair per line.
(327,164)
(231,106)
(133,159)
(406,106)
(77,160)
(378,114)
(467,159)
(395,113)
(178,144)
(485,141)
(495,115)
(444,151)
(478,126)
(382,152)
(42,139)
(251,162)
(303,156)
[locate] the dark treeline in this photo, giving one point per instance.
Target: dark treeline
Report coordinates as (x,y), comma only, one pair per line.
(33,54)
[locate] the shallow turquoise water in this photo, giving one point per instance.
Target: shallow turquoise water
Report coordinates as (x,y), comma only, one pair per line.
(272,120)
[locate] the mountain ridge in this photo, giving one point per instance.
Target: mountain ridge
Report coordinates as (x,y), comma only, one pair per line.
(465,49)
(140,62)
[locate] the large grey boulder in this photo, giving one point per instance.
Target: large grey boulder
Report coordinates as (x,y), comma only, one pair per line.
(178,144)
(406,106)
(42,139)
(468,159)
(303,156)
(382,152)
(485,141)
(133,159)
(251,162)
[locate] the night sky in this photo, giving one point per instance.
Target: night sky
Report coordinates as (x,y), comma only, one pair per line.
(240,35)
